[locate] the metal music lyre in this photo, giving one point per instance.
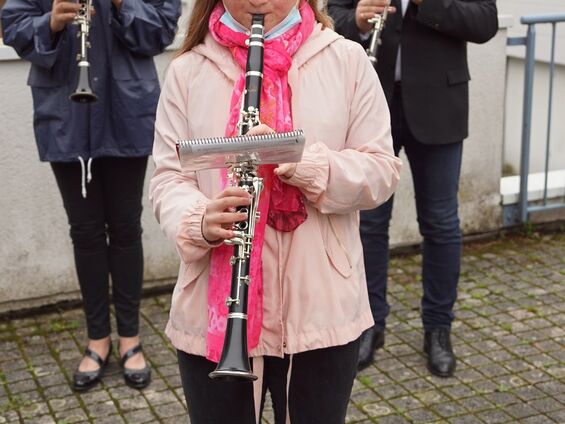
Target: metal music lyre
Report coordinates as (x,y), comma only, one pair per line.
(224,152)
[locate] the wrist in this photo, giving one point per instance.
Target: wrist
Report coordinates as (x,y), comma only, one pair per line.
(206,239)
(54,27)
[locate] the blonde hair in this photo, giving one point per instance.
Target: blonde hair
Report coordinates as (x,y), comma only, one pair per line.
(198,23)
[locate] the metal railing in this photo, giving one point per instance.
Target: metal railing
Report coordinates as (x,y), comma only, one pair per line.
(525,208)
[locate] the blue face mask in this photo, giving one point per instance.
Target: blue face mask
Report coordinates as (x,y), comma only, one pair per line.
(292,19)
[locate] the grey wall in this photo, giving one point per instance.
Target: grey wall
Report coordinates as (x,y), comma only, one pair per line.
(36,260)
(36,264)
(479,193)
(515,88)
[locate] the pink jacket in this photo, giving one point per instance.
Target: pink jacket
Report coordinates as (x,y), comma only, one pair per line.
(315,294)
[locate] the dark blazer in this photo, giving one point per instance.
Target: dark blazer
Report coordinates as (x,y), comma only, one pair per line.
(434,70)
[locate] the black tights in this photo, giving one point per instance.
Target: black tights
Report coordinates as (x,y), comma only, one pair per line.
(318,393)
(105,229)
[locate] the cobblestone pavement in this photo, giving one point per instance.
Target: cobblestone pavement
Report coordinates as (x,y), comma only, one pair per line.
(509,338)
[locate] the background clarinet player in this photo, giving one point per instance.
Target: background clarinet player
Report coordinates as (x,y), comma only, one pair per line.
(307,296)
(98,151)
(422,66)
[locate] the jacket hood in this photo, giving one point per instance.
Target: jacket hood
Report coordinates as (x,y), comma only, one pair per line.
(318,40)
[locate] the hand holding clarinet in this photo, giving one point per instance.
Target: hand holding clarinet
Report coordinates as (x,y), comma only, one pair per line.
(221,214)
(66,11)
(367,9)
(63,13)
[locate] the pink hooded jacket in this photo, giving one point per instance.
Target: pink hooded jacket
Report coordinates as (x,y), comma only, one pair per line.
(315,294)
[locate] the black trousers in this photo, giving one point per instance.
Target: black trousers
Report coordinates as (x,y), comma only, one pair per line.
(317,392)
(105,229)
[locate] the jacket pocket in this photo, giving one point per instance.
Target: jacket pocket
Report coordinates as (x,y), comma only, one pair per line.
(57,76)
(458,76)
(335,249)
(126,66)
(192,271)
(135,98)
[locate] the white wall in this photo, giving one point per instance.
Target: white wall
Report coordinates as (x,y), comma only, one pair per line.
(515,88)
(539,125)
(482,152)
(35,251)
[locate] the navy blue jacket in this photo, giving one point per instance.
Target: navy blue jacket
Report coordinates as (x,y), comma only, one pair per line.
(122,73)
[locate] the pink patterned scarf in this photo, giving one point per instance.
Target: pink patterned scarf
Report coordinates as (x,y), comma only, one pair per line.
(281,203)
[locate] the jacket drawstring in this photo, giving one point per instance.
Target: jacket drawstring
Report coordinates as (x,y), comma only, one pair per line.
(85,174)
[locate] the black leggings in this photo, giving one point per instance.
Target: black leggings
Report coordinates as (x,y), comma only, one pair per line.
(105,229)
(319,390)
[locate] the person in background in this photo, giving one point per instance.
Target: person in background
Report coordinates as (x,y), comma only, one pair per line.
(422,65)
(308,301)
(98,151)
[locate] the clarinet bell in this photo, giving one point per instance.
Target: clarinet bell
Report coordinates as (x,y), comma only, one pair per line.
(83,92)
(234,364)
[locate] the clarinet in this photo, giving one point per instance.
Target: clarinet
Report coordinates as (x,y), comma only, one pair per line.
(83,92)
(234,362)
(378,22)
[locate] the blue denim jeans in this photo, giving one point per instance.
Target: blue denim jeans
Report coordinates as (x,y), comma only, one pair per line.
(435,172)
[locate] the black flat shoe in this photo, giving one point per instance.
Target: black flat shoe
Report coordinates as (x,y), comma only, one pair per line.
(137,379)
(372,339)
(441,359)
(85,380)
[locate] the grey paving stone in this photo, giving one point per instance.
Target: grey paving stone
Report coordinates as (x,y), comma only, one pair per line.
(132,403)
(422,415)
(502,399)
(552,387)
(35,409)
(177,420)
(476,403)
(494,416)
(546,405)
(362,396)
(63,404)
(140,416)
(101,410)
(11,416)
(538,419)
(509,337)
(111,419)
(170,410)
(377,409)
(393,419)
(460,391)
(521,410)
(44,419)
(390,391)
(406,403)
(71,416)
(354,415)
(160,398)
(93,397)
(448,409)
(558,416)
(466,419)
